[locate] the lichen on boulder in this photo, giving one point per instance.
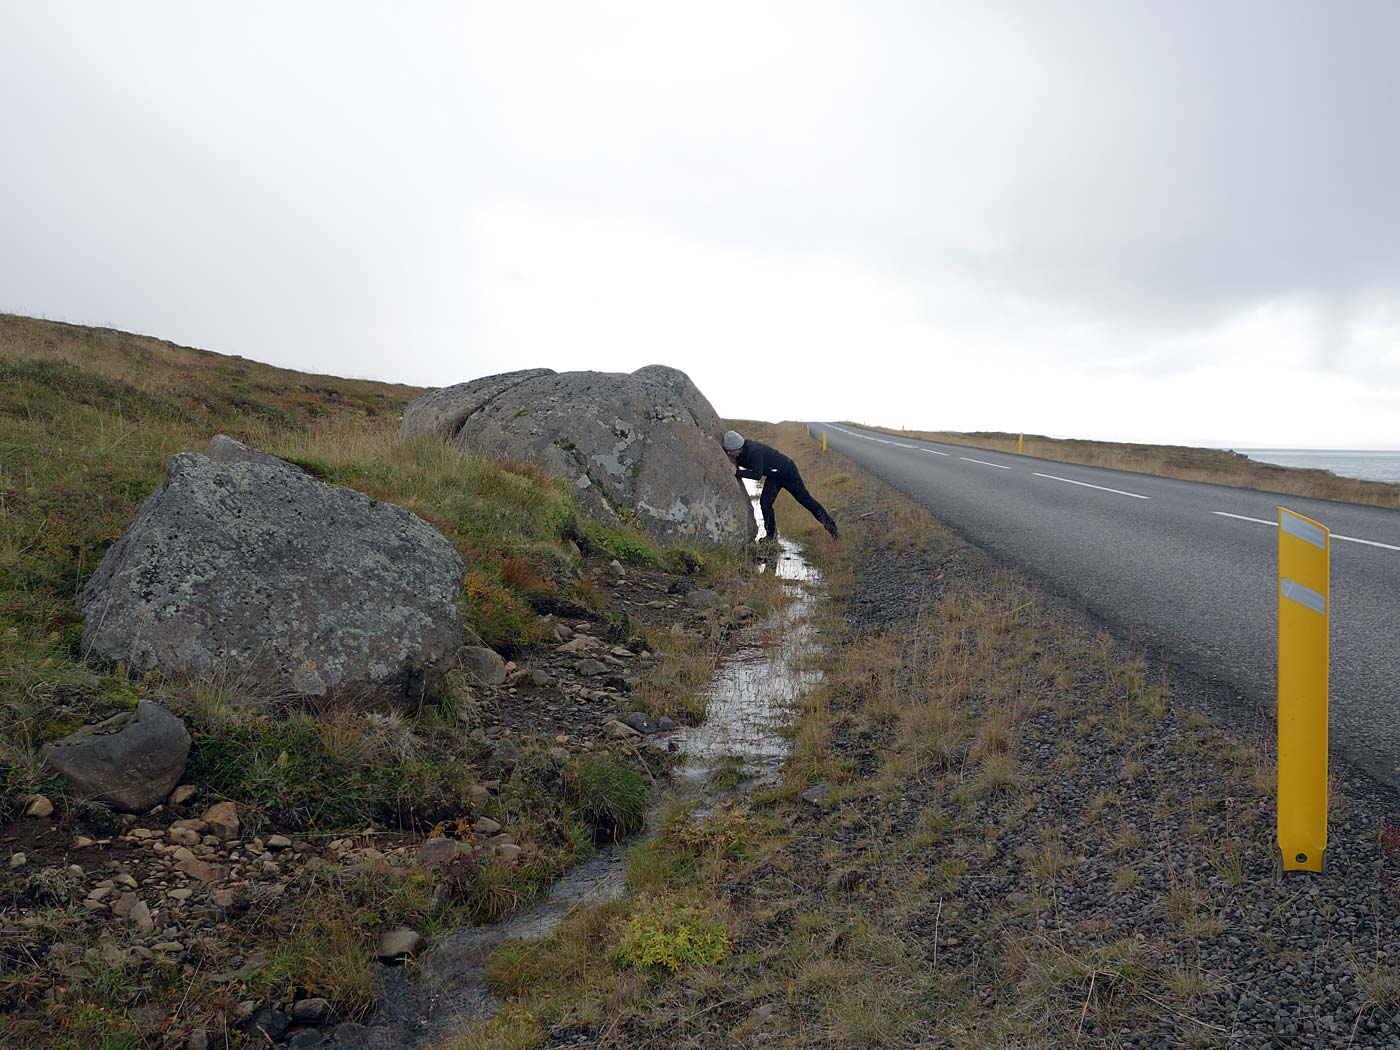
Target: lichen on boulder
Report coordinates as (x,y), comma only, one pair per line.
(246,567)
(641,448)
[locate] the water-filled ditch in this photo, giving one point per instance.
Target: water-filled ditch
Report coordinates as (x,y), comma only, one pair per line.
(750,698)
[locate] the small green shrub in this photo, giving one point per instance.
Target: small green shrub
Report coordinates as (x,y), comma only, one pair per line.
(672,940)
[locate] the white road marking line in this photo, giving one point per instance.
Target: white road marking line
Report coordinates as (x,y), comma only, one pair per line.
(1101,488)
(902,445)
(1241,517)
(934,451)
(984,463)
(1369,543)
(1335,535)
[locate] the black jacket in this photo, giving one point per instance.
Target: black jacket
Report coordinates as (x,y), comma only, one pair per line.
(758,462)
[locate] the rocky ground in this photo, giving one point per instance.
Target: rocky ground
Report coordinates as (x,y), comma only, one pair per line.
(170,905)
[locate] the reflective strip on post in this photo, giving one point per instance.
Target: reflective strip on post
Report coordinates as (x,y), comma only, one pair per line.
(1303,618)
(823,440)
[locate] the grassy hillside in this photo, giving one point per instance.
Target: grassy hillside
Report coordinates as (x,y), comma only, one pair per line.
(1213,465)
(88,418)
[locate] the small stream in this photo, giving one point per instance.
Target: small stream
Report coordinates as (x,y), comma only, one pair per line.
(750,698)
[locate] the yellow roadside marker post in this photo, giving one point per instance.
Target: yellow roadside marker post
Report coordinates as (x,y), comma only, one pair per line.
(1304,612)
(1020,443)
(823,440)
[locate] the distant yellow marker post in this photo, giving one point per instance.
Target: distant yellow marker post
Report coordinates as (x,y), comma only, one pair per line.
(1020,443)
(823,440)
(1304,611)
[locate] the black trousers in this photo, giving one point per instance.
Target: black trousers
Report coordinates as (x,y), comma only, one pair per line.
(792,481)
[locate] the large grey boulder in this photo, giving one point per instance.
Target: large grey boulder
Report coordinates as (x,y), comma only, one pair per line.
(250,568)
(131,761)
(642,447)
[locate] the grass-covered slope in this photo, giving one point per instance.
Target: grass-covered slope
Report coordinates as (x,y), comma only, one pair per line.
(88,418)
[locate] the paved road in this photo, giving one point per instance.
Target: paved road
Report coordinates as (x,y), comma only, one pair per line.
(1179,564)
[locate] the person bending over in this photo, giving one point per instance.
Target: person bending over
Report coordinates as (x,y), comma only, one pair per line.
(758,462)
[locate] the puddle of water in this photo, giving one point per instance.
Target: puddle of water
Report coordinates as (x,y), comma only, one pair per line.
(748,700)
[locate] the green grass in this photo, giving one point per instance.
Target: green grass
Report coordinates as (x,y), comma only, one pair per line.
(610,795)
(89,418)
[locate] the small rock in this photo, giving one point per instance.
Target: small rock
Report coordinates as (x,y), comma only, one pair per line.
(183,894)
(268,1024)
(198,1040)
(39,807)
(560,755)
(485,666)
(203,870)
(702,598)
(581,643)
(817,795)
(665,724)
(478,794)
(486,826)
(616,566)
(507,851)
(183,794)
(278,842)
(222,820)
(591,667)
(434,853)
(182,855)
(311,1011)
(399,943)
(306,1040)
(130,762)
(615,730)
(140,917)
(168,946)
(184,836)
(18,860)
(642,722)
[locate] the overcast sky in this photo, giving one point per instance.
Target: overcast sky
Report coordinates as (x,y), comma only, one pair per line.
(1172,222)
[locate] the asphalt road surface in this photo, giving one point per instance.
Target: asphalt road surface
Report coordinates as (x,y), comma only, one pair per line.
(1182,566)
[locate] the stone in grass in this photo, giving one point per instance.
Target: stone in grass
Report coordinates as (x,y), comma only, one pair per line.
(399,943)
(615,730)
(592,668)
(642,723)
(183,794)
(702,598)
(267,1023)
(245,566)
(484,666)
(817,795)
(311,1011)
(130,762)
(39,807)
(436,853)
(222,820)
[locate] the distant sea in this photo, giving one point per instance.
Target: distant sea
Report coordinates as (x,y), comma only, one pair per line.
(1370,465)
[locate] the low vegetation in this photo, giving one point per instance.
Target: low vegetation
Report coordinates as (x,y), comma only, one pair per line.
(87,421)
(1213,465)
